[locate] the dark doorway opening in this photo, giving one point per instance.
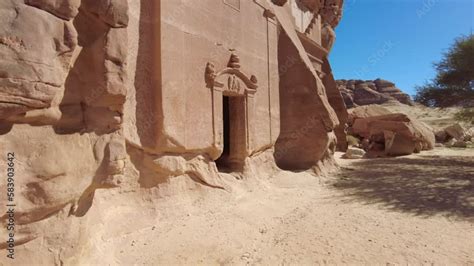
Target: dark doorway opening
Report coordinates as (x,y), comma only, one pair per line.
(222,162)
(234,134)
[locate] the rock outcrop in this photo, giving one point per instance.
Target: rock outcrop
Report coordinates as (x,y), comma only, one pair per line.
(360,92)
(455,135)
(389,134)
(137,100)
(365,112)
(63,89)
(308,119)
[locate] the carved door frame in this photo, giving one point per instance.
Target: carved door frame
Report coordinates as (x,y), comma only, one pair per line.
(232,82)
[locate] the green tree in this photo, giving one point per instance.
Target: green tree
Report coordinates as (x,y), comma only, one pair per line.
(454,82)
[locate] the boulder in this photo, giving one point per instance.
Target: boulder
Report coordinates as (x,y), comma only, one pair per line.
(354,153)
(365,144)
(441,136)
(400,133)
(469,134)
(366,111)
(456,131)
(450,143)
(398,144)
(459,144)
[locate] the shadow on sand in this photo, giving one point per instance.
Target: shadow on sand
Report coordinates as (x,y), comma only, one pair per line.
(424,186)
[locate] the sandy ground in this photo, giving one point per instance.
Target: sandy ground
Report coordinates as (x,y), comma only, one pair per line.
(437,118)
(417,209)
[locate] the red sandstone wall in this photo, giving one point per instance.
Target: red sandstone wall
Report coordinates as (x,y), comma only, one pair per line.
(188,42)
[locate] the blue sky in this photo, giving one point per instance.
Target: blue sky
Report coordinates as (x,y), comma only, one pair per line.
(398,40)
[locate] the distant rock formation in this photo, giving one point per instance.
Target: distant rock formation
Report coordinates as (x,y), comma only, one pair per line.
(365,92)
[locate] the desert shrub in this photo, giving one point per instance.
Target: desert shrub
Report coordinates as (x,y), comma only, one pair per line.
(352,141)
(454,81)
(465,115)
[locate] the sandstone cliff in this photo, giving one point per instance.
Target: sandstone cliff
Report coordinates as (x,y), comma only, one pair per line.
(360,92)
(123,102)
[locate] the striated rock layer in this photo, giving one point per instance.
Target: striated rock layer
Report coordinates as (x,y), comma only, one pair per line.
(146,99)
(360,92)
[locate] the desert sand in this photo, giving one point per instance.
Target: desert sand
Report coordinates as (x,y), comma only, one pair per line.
(415,209)
(437,118)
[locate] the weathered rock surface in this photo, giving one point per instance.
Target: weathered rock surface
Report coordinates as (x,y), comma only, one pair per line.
(455,131)
(354,153)
(365,112)
(364,95)
(441,136)
(305,139)
(112,12)
(141,100)
(388,133)
(360,92)
(459,144)
(32,70)
(62,94)
(454,136)
(337,103)
(65,9)
(470,134)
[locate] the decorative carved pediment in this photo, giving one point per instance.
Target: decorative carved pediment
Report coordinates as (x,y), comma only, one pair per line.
(279,2)
(237,82)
